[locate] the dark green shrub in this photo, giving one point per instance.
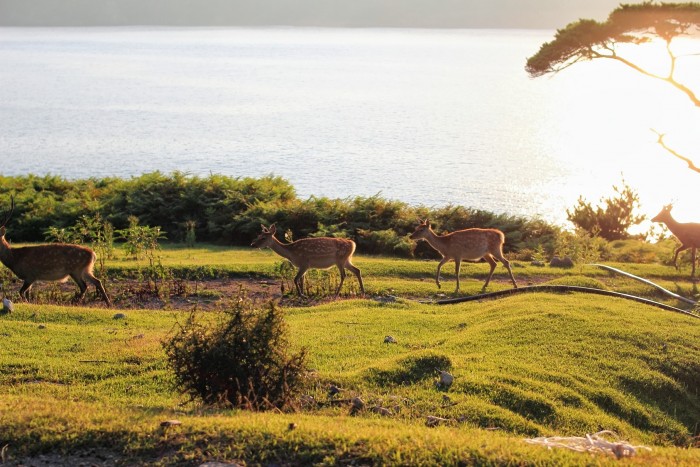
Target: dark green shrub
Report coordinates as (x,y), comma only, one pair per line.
(384,242)
(229,210)
(242,358)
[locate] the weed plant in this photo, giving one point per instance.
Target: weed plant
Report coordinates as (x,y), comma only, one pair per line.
(243,358)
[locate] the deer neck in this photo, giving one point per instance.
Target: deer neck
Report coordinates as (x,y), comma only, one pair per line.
(5,253)
(672,224)
(282,249)
(439,242)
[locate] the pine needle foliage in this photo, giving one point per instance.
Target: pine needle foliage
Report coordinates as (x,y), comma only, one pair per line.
(243,357)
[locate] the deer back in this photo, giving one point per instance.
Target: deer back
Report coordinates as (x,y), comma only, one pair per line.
(50,262)
(320,252)
(687,233)
(474,243)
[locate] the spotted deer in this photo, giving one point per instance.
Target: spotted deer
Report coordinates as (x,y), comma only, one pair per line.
(318,252)
(52,262)
(465,245)
(687,233)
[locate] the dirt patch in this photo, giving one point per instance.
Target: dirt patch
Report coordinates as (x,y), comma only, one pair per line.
(177,294)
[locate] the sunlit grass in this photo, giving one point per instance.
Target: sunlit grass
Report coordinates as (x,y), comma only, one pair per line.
(543,364)
(77,378)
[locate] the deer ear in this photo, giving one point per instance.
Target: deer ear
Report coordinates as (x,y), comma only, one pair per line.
(264,229)
(272,229)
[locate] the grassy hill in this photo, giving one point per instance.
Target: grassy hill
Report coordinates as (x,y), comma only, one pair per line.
(79,385)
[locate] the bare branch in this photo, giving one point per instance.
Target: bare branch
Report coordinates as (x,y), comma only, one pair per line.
(669,79)
(661,141)
(672,57)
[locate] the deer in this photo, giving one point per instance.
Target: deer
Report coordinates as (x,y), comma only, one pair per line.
(317,252)
(687,233)
(51,262)
(465,245)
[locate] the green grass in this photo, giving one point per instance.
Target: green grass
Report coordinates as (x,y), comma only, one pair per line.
(76,380)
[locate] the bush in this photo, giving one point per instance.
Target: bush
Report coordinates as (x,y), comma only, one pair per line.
(229,210)
(612,218)
(242,358)
(384,241)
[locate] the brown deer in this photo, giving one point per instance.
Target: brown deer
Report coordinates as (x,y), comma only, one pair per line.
(465,245)
(52,262)
(319,252)
(687,233)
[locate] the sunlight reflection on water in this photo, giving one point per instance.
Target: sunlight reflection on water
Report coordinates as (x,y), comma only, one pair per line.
(429,117)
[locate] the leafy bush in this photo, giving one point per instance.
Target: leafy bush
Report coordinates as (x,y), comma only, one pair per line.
(581,247)
(229,210)
(140,240)
(242,358)
(612,218)
(384,241)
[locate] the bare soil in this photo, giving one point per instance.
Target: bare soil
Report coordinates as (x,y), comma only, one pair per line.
(172,294)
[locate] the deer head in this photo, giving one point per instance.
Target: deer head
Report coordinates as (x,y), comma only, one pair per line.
(664,215)
(265,239)
(421,231)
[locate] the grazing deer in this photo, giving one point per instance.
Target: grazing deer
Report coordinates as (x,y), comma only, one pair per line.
(318,252)
(686,233)
(467,245)
(52,262)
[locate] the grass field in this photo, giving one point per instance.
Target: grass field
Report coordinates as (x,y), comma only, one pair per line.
(79,386)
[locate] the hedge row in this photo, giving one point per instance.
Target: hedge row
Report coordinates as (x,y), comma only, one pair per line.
(229,210)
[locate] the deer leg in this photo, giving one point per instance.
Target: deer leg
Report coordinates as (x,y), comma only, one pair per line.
(342,279)
(694,251)
(100,288)
(24,290)
(357,273)
(492,262)
(437,276)
(299,280)
(506,263)
(675,256)
(458,264)
(82,285)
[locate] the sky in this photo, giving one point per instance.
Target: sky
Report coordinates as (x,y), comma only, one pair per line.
(521,14)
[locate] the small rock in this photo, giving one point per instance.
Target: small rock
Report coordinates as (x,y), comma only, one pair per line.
(383,411)
(446,379)
(292,426)
(333,390)
(537,263)
(432,421)
(385,299)
(358,403)
(169,423)
(390,340)
(42,326)
(119,316)
(565,262)
(7,306)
